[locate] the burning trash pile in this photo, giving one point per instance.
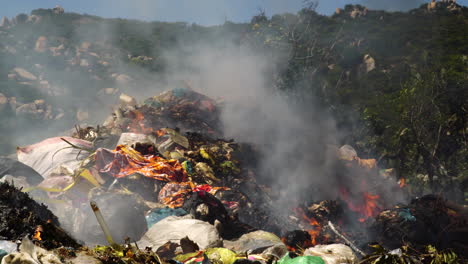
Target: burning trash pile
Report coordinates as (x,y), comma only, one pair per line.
(156,183)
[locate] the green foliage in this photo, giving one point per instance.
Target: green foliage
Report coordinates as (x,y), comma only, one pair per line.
(411,109)
(441,257)
(406,255)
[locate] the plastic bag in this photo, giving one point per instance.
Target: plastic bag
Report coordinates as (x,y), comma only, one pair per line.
(301,260)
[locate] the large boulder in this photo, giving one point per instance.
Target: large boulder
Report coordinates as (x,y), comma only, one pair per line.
(174,228)
(358,12)
(34,19)
(3,102)
(58,10)
(432,5)
(127,100)
(41,44)
(4,22)
(36,110)
(368,63)
(123,79)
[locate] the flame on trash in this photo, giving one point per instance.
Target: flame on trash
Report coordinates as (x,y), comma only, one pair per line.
(366,204)
(402,182)
(314,228)
(37,233)
(137,124)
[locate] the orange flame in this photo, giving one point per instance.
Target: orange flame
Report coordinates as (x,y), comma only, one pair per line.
(137,124)
(315,227)
(37,234)
(160,132)
(292,249)
(367,206)
(402,182)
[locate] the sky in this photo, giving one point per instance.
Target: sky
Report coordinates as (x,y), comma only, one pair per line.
(203,12)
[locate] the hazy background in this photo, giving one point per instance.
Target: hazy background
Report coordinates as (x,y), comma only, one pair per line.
(203,12)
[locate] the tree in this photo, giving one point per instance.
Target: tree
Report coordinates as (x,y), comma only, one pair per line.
(423,126)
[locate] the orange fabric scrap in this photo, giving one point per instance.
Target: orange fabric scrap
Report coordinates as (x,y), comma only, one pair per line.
(127,161)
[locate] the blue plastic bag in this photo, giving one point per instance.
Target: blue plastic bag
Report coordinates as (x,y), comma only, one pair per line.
(159,214)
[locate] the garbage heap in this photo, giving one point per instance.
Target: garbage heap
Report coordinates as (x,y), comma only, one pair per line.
(165,188)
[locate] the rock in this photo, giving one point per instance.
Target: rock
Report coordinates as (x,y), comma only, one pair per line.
(24,74)
(450,5)
(34,19)
(338,11)
(3,102)
(108,91)
(369,63)
(12,102)
(84,63)
(39,103)
(126,100)
(82,115)
(59,116)
(57,51)
(4,22)
(11,49)
(58,10)
(346,152)
(453,6)
(27,83)
(12,76)
(41,44)
(27,110)
(123,79)
(254,242)
(432,5)
(104,63)
(333,253)
(175,228)
(85,45)
(358,12)
(44,84)
(93,54)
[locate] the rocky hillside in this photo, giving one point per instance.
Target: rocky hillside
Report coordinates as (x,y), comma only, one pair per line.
(395,82)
